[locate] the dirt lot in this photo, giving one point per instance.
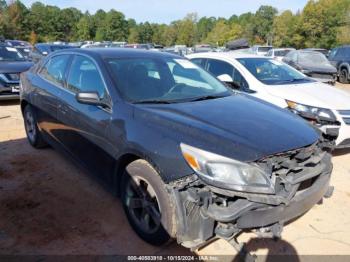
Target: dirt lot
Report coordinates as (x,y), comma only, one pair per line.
(50,206)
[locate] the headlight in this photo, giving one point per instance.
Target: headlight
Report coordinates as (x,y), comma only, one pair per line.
(227,173)
(310,112)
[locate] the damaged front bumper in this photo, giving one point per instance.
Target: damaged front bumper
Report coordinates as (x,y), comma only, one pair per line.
(301,178)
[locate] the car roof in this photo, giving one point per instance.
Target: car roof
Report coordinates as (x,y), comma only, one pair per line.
(283,48)
(48,44)
(231,54)
(308,51)
(120,53)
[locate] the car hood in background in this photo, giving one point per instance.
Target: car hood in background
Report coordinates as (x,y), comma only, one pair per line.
(313,94)
(319,68)
(14,67)
(238,126)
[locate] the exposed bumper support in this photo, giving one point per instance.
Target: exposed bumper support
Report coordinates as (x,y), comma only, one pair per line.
(301,203)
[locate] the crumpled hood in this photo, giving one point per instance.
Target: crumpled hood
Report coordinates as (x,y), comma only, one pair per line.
(14,67)
(319,68)
(313,94)
(237,126)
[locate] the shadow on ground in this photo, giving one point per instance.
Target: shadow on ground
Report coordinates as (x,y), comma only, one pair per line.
(48,206)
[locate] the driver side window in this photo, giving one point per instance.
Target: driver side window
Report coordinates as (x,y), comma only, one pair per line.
(85,77)
(54,69)
(240,81)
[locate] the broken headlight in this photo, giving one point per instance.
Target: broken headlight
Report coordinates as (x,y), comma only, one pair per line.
(227,173)
(311,112)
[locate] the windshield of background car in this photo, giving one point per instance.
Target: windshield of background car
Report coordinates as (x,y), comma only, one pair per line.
(10,54)
(312,58)
(271,72)
(264,48)
(281,52)
(163,80)
(58,47)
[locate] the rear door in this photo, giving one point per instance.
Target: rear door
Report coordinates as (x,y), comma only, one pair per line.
(85,127)
(47,85)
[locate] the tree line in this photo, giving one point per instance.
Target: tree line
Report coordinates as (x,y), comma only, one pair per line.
(321,23)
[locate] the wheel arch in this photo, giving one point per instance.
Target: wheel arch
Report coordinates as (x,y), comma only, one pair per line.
(344,66)
(24,103)
(123,161)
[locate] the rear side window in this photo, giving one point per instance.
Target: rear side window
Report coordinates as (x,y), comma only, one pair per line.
(54,70)
(84,76)
(343,53)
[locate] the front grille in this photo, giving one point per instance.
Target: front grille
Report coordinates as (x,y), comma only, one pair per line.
(298,169)
(345,115)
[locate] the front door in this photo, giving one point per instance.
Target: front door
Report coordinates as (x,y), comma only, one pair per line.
(85,126)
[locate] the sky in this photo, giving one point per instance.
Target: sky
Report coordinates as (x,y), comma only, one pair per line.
(165,11)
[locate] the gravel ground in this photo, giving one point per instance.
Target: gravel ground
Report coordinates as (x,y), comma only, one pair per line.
(49,206)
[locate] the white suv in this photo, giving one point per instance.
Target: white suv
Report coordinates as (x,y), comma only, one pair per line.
(275,82)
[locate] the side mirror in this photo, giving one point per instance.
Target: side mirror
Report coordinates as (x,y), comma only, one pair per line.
(90,98)
(225,78)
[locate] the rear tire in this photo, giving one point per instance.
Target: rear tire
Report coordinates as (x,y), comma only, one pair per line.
(33,133)
(344,76)
(147,204)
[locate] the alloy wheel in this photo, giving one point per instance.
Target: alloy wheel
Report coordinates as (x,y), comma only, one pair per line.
(142,202)
(30,125)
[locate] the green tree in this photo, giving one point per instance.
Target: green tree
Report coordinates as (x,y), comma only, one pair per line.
(322,20)
(116,27)
(187,30)
(222,33)
(285,30)
(263,22)
(15,19)
(84,28)
(204,27)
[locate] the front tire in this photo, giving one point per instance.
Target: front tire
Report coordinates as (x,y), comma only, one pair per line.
(33,133)
(344,76)
(147,203)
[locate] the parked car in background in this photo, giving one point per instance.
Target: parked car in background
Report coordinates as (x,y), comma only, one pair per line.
(278,53)
(139,46)
(313,64)
(161,132)
(12,64)
(43,49)
(320,50)
(17,43)
(324,106)
(260,49)
(25,51)
(340,58)
(22,46)
(181,50)
(202,48)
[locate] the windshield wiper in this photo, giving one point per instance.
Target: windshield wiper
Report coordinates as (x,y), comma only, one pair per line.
(152,102)
(208,97)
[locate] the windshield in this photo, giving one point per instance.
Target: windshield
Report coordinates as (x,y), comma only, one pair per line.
(10,54)
(312,58)
(164,80)
(264,48)
(59,47)
(281,52)
(272,72)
